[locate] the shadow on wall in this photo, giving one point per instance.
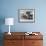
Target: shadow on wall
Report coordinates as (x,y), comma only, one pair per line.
(2,21)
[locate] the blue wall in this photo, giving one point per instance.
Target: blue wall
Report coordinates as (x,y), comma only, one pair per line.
(9,8)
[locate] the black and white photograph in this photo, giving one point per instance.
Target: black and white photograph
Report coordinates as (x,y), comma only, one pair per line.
(26,15)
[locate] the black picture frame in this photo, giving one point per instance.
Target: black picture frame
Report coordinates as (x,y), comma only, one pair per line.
(26,15)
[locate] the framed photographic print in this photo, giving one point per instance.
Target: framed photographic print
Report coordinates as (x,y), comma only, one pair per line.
(26,15)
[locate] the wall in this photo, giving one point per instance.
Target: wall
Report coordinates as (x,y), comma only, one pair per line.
(9,8)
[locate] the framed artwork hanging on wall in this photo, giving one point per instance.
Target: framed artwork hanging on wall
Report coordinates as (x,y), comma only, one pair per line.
(26,15)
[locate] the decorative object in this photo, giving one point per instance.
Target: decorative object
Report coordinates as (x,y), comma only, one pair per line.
(30,33)
(26,15)
(9,21)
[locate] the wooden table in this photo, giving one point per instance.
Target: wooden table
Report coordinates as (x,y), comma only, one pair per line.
(20,39)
